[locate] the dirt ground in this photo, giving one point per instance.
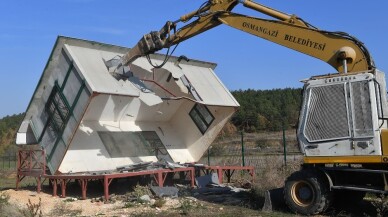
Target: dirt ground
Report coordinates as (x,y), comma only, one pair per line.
(184,205)
(20,199)
(49,204)
(188,203)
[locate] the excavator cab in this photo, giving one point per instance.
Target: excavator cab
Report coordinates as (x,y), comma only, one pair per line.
(341,117)
(343,136)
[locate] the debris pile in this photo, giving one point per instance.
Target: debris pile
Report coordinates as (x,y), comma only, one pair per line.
(207,189)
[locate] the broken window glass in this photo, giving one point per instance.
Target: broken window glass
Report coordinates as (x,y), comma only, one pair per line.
(156,145)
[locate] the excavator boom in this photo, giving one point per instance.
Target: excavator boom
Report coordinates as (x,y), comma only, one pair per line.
(340,50)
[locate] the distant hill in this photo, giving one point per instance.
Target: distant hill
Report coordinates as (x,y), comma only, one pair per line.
(8,128)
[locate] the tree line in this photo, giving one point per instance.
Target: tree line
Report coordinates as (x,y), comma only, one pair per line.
(267,110)
(8,128)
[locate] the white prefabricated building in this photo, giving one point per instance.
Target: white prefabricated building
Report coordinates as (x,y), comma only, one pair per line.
(90,120)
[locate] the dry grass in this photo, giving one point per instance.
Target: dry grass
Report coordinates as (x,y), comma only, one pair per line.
(274,173)
(8,180)
(64,209)
(139,191)
(33,209)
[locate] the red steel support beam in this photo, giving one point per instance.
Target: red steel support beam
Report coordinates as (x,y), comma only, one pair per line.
(30,163)
(159,176)
(44,161)
(39,187)
(192,177)
(220,174)
(63,187)
(30,160)
(84,185)
(17,181)
(106,188)
(160,179)
(19,166)
(55,187)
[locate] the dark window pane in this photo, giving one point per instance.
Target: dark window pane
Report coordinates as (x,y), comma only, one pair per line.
(201,117)
(133,144)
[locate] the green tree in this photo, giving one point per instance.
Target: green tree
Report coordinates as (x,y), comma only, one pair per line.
(8,128)
(267,109)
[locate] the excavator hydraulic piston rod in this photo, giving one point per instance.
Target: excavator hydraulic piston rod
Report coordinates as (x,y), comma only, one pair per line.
(265,10)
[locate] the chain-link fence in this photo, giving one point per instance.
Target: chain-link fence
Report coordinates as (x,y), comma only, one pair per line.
(8,161)
(260,150)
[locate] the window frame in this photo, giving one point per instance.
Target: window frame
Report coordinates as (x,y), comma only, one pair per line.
(196,110)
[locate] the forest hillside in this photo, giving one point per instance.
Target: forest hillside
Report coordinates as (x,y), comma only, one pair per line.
(8,128)
(267,110)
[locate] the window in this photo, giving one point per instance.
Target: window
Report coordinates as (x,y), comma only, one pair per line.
(202,117)
(57,110)
(134,144)
(61,112)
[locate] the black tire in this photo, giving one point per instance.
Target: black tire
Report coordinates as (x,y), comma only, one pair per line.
(307,192)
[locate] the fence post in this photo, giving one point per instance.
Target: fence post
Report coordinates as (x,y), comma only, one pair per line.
(284,146)
(9,160)
(242,148)
(208,155)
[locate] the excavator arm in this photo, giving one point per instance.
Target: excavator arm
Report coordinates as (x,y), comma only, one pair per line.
(340,50)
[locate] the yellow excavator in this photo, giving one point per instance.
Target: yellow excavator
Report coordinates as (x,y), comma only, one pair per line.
(342,130)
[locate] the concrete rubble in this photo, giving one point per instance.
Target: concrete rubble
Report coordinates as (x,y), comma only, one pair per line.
(165,191)
(203,181)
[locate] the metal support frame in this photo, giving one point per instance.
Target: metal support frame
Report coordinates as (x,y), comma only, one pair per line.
(54,186)
(159,175)
(31,163)
(84,185)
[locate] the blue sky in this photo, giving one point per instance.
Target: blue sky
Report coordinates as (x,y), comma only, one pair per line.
(28,30)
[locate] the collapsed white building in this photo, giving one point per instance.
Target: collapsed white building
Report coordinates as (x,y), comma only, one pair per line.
(88,120)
